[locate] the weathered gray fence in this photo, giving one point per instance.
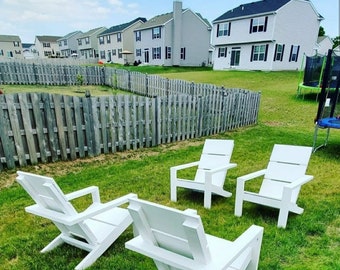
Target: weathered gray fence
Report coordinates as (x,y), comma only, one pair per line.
(43,127)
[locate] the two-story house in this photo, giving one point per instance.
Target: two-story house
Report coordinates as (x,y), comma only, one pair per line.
(266,35)
(118,39)
(47,46)
(68,44)
(178,38)
(88,43)
(10,47)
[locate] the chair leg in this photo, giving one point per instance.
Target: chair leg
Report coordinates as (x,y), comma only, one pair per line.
(56,242)
(283,217)
(173,188)
(207,199)
(239,198)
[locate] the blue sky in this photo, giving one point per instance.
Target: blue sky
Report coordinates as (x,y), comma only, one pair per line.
(28,18)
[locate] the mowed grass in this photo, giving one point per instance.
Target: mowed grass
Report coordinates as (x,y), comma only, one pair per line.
(310,241)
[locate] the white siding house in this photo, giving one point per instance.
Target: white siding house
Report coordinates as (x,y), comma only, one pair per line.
(266,35)
(88,43)
(68,44)
(325,43)
(117,40)
(179,38)
(10,47)
(47,46)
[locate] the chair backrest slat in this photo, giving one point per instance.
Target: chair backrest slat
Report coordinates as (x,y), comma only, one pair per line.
(177,231)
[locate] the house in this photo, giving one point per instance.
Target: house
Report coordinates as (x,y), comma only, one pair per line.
(179,38)
(10,47)
(266,35)
(118,39)
(324,44)
(68,45)
(88,43)
(28,50)
(336,50)
(47,46)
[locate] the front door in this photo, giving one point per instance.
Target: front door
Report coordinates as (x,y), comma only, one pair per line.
(146,56)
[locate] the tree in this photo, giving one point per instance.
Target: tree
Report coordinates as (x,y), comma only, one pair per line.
(321,31)
(336,41)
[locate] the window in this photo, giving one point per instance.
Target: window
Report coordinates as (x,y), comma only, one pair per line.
(222,52)
(46,44)
(80,42)
(101,40)
(60,43)
(87,40)
(156,32)
(119,37)
(279,49)
(108,39)
(65,42)
(223,29)
(1,53)
(156,53)
(167,52)
(16,43)
(138,35)
(102,54)
(183,53)
(259,53)
(138,52)
(114,52)
(120,55)
(47,53)
(258,25)
(294,53)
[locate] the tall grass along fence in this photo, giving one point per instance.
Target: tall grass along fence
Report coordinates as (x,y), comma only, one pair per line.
(42,127)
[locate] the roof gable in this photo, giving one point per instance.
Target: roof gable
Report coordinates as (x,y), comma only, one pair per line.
(260,7)
(122,27)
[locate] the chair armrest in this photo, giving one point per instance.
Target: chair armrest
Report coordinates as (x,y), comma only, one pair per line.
(299,182)
(228,166)
(94,190)
(251,176)
(184,166)
(95,209)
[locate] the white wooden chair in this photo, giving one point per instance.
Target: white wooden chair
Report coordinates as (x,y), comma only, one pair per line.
(176,239)
(211,171)
(93,230)
(281,184)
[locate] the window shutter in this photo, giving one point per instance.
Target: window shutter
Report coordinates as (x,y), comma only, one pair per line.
(283,49)
(297,53)
(265,24)
(266,53)
(251,26)
(275,53)
(184,54)
(225,52)
(218,29)
(290,55)
(166,52)
(229,29)
(252,52)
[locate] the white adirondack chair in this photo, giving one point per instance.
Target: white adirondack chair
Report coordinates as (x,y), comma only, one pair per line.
(211,171)
(282,181)
(93,230)
(176,239)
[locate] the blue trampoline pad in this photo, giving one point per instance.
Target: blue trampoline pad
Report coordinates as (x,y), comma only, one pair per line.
(329,122)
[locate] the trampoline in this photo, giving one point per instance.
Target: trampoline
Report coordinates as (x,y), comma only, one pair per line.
(313,73)
(328,115)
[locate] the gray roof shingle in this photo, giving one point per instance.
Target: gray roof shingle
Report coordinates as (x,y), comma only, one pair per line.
(121,27)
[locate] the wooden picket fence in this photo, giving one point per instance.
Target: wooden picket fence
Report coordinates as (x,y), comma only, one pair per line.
(42,127)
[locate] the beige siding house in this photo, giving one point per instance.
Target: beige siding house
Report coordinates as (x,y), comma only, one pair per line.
(116,44)
(88,43)
(47,46)
(10,47)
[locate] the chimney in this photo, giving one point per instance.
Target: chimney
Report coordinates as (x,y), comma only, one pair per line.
(177,32)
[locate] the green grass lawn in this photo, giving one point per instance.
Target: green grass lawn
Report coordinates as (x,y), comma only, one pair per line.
(310,241)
